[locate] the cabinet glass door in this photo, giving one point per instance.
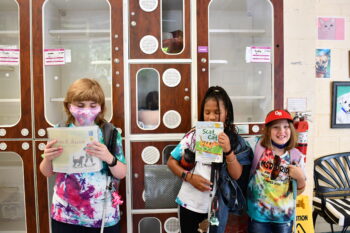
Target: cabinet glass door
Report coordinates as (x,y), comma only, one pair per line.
(76,44)
(12,206)
(240,55)
(10,95)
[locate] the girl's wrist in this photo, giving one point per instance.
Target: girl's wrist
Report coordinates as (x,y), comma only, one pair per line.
(231,158)
(228,152)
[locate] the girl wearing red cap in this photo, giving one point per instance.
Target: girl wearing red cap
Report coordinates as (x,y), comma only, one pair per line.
(271,205)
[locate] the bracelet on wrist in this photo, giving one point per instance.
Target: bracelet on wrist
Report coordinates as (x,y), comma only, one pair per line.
(301,188)
(227,153)
(113,163)
(184,175)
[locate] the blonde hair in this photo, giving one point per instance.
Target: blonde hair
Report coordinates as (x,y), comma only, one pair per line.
(266,137)
(85,89)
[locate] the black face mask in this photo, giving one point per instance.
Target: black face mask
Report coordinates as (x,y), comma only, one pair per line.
(279,146)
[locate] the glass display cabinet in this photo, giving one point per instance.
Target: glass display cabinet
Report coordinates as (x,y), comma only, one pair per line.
(240,47)
(76,39)
(15,99)
(241,50)
(17,205)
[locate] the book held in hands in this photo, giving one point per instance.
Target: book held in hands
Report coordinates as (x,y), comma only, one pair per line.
(73,140)
(207,147)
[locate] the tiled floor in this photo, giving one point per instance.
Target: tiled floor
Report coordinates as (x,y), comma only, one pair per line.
(323,227)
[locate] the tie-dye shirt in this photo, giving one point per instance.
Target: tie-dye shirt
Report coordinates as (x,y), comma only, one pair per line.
(79,198)
(270,197)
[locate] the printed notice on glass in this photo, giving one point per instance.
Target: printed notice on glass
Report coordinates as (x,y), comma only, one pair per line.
(258,54)
(9,57)
(54,57)
(207,147)
(73,140)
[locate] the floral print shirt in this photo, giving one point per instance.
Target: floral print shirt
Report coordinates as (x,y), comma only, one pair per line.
(79,198)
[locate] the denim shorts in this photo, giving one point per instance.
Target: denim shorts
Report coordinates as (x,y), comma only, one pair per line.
(269,227)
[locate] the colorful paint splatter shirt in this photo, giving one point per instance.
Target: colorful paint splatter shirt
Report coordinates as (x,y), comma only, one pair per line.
(78,198)
(270,197)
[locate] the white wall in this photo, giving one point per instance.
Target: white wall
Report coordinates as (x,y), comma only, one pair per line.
(300,40)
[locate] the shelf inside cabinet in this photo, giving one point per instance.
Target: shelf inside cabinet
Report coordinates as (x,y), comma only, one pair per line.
(216,63)
(249,97)
(9,32)
(238,31)
(10,100)
(7,68)
(80,32)
(101,62)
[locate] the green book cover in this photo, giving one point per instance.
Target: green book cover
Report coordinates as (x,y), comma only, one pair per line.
(207,147)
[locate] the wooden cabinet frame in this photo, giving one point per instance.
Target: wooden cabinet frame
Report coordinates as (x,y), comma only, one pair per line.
(148,23)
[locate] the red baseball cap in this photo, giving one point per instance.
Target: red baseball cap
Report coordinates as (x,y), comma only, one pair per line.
(278,114)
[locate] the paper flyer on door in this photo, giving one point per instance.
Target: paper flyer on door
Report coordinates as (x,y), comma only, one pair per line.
(207,147)
(74,159)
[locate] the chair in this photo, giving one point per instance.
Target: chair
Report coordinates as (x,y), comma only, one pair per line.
(332,189)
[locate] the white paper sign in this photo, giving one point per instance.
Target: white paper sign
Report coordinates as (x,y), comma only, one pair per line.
(54,57)
(258,54)
(296,104)
(9,57)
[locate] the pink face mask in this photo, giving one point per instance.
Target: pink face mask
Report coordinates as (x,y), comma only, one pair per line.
(85,116)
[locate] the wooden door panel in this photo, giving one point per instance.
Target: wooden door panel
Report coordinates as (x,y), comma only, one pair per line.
(28,179)
(171,98)
(144,23)
(160,217)
(137,165)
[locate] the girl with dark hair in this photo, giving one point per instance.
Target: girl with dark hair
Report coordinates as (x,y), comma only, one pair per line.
(195,196)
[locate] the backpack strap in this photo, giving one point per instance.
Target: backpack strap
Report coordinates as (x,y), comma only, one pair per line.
(107,132)
(259,150)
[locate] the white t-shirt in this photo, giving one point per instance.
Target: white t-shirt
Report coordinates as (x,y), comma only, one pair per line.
(189,197)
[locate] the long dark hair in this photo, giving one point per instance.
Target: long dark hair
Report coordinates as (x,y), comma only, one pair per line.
(219,94)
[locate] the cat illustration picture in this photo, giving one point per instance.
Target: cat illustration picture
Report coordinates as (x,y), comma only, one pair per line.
(327,29)
(332,28)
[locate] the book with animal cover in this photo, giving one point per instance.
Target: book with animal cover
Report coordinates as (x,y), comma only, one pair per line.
(207,147)
(73,140)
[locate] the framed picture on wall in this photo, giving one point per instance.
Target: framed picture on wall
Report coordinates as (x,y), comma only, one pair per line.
(341,105)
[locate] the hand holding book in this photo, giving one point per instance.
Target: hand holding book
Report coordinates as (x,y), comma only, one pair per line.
(100,151)
(51,152)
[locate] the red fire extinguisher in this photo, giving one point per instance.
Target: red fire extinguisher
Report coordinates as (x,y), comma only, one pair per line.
(301,125)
